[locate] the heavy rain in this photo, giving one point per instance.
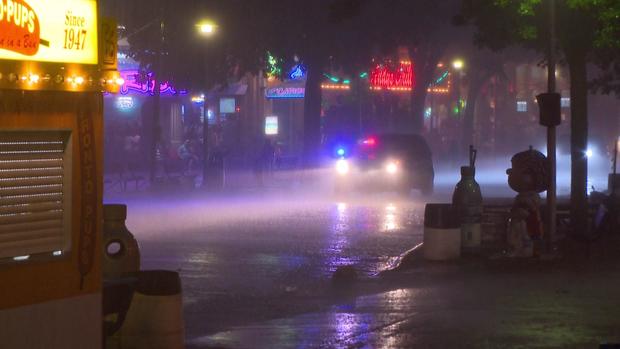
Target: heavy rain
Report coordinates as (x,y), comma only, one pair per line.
(274,174)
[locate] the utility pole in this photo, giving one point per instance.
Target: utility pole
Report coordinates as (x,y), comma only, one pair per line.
(551,134)
(157,76)
(206,29)
(205,143)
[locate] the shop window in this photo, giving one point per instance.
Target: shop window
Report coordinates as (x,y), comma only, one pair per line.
(227,105)
(35,184)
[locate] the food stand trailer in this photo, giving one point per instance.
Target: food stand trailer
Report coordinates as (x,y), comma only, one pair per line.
(56,60)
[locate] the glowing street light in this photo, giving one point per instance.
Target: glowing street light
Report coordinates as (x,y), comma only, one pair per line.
(206,28)
(458,64)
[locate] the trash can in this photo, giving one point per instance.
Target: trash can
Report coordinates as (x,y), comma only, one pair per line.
(442,232)
(155,317)
(215,175)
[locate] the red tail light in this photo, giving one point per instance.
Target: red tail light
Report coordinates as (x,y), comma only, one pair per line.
(371,141)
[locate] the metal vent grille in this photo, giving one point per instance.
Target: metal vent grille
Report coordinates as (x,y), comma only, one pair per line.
(34,187)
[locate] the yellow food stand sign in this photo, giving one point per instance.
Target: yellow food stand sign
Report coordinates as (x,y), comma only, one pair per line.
(58,31)
(57,57)
(59,45)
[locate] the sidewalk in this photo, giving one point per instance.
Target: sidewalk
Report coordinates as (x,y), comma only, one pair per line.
(234,179)
(571,302)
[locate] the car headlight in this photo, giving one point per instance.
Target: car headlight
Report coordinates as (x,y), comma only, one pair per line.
(342,167)
(391,167)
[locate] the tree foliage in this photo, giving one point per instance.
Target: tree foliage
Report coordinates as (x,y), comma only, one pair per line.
(591,27)
(586,32)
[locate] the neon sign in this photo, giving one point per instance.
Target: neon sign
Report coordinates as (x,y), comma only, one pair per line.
(285,92)
(441,84)
(399,79)
(298,72)
(273,66)
(335,87)
(144,83)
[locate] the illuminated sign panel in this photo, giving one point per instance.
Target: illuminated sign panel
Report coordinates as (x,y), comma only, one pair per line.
(271,125)
(227,105)
(61,31)
(397,78)
(125,103)
(285,92)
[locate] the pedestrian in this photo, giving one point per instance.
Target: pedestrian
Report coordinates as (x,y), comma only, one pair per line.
(267,155)
(277,161)
(186,154)
(258,171)
(131,146)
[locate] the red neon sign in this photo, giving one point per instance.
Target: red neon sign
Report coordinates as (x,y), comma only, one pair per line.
(398,79)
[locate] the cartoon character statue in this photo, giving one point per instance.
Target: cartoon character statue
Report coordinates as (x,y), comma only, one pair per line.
(528,176)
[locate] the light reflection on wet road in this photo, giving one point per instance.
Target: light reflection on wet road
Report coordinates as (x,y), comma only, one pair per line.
(353,323)
(248,260)
(255,272)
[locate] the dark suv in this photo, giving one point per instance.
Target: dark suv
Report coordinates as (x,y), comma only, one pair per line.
(398,162)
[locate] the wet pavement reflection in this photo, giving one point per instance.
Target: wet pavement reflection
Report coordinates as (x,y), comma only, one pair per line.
(256,273)
(247,262)
(356,323)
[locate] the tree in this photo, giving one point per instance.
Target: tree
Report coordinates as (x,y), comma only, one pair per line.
(482,65)
(587,30)
(318,32)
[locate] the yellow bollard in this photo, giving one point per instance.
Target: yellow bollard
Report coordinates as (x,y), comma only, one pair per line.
(155,317)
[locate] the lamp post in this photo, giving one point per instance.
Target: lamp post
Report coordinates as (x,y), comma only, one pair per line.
(156,127)
(458,66)
(205,29)
(157,76)
(551,136)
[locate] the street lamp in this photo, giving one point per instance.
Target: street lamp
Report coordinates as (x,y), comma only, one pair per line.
(205,29)
(458,64)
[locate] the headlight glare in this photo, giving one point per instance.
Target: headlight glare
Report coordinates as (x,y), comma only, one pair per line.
(342,167)
(391,167)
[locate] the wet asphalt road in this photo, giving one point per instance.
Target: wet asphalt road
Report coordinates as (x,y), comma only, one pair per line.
(255,256)
(256,268)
